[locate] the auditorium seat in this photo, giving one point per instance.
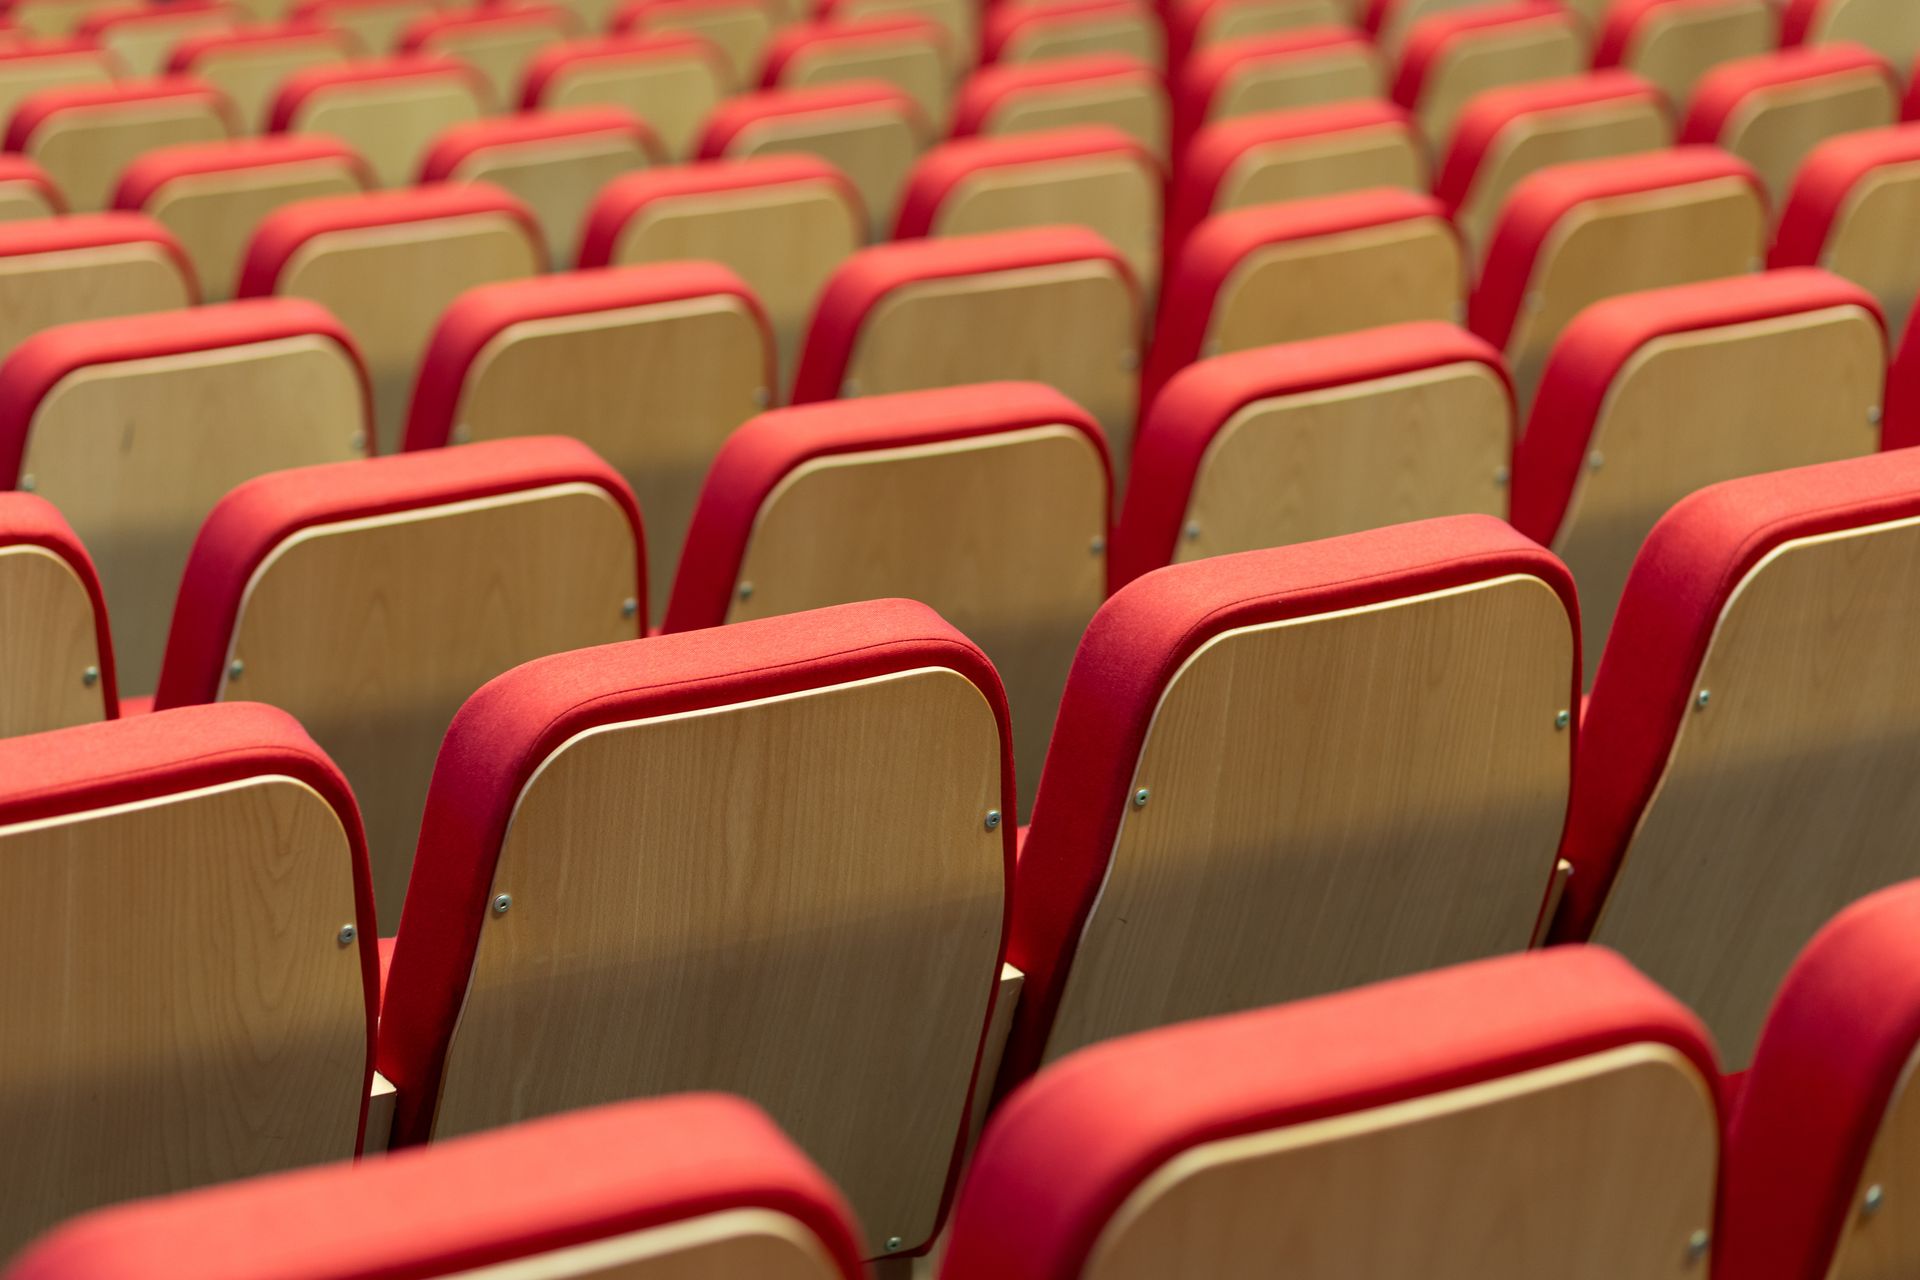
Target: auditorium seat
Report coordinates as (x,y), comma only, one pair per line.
(653,366)
(1312,67)
(249,63)
(1549,1114)
(1573,234)
(26,192)
(376,24)
(387,109)
(1105,88)
(1391,22)
(31,67)
(1304,269)
(555,162)
(1772,110)
(140,36)
(913,55)
(1823,1132)
(671,81)
(603,906)
(213,196)
(1195,25)
(1675,42)
(54,271)
(370,598)
(1853,210)
(84,137)
(1505,135)
(1284,444)
(1073,28)
(53,624)
(202,957)
(1454,56)
(661,1189)
(1749,750)
(387,264)
(783,223)
(1055,304)
(1288,771)
(990,503)
(867,129)
(960,19)
(1092,176)
(1650,396)
(740,29)
(499,42)
(50,19)
(1889,27)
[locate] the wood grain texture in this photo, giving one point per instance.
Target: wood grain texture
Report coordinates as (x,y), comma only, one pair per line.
(85,152)
(1872,243)
(1135,109)
(1702,407)
(192,1017)
(40,290)
(214,215)
(796,900)
(1891,27)
(1492,60)
(1281,84)
(1351,160)
(557,179)
(1884,1244)
(47,642)
(1608,1160)
(673,94)
(1790,795)
(911,63)
(251,75)
(136,453)
(1114,195)
(725,1245)
(1334,800)
(1775,129)
(654,390)
(874,146)
(374,632)
(1295,468)
(1136,35)
(391,125)
(1263,17)
(1676,46)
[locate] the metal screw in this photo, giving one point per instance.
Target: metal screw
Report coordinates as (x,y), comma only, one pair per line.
(1501,475)
(1596,460)
(461,434)
(1871,1202)
(1562,719)
(1140,798)
(90,677)
(993,819)
(1098,546)
(1756,264)
(359,442)
(894,1243)
(762,397)
(346,934)
(236,669)
(1701,699)
(1129,361)
(1697,1246)
(850,388)
(1874,415)
(1535,301)
(1212,349)
(501,903)
(746,591)
(28,484)
(629,607)
(1192,531)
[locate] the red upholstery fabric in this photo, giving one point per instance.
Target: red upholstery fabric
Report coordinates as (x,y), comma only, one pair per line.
(1724,89)
(422,33)
(311,82)
(1133,648)
(1835,1046)
(1488,114)
(1006,23)
(39,364)
(1197,402)
(38,108)
(1900,421)
(761,452)
(863,280)
(15,169)
(1910,108)
(1217,245)
(1826,182)
(145,177)
(565,56)
(243,530)
(1208,70)
(805,38)
(27,521)
(1796,20)
(1625,21)
(481,314)
(1686,571)
(517,720)
(627,196)
(1601,340)
(1066,1151)
(283,232)
(1186,24)
(991,87)
(1538,204)
(945,167)
(454,146)
(736,115)
(468,1204)
(264,37)
(1437,37)
(72,233)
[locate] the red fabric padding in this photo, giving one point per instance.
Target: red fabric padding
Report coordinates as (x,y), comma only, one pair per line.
(120,762)
(1831,1056)
(564,56)
(1723,90)
(627,196)
(287,229)
(991,87)
(1215,150)
(1185,23)
(1131,652)
(72,233)
(15,169)
(1900,420)
(1590,355)
(422,31)
(1826,182)
(1622,25)
(945,167)
(760,453)
(241,532)
(1910,108)
(146,176)
(27,521)
(1536,206)
(1065,1152)
(507,729)
(1207,71)
(452,147)
(264,37)
(468,1204)
(1796,21)
(1687,570)
(36,109)
(1489,114)
(804,38)
(1434,38)
(738,114)
(39,364)
(865,279)
(1198,401)
(1007,22)
(302,86)
(481,314)
(1218,245)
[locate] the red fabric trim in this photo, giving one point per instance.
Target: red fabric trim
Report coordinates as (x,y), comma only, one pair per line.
(1724,89)
(1488,114)
(36,109)
(941,170)
(20,169)
(297,89)
(1621,26)
(1434,38)
(1796,21)
(1006,22)
(145,177)
(202,44)
(1900,420)
(462,142)
(806,38)
(1826,182)
(990,87)
(738,114)
(1207,71)
(28,521)
(563,56)
(623,199)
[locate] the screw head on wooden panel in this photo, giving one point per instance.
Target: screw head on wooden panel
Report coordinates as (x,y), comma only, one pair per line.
(1192,531)
(460,435)
(345,935)
(1562,719)
(1701,699)
(1140,798)
(501,903)
(629,607)
(1874,415)
(762,397)
(1697,1246)
(746,591)
(90,677)
(993,819)
(850,388)
(1129,361)
(1501,475)
(28,484)
(1870,1203)
(1535,301)
(1596,460)
(1098,546)
(1211,350)
(359,442)
(894,1243)
(236,669)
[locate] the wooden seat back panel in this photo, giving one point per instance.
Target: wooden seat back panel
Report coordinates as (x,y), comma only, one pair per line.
(875,149)
(673,95)
(391,125)
(1493,60)
(715,1246)
(557,180)
(1891,27)
(1872,244)
(1137,110)
(214,215)
(1351,160)
(1113,195)
(1775,129)
(1885,1244)
(48,642)
(41,290)
(1281,84)
(1675,46)
(85,152)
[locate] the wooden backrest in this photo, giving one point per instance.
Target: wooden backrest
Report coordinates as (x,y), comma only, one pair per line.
(960,19)
(48,19)
(1391,22)
(26,70)
(55,271)
(388,264)
(1889,27)
(213,196)
(652,366)
(377,24)
(1745,794)
(501,44)
(202,960)
(1852,206)
(26,192)
(1279,72)
(1452,58)
(829,951)
(1381,1132)
(1036,33)
(58,657)
(1285,444)
(249,64)
(1194,25)
(672,81)
(1651,396)
(1108,89)
(739,29)
(1675,42)
(911,54)
(1288,771)
(388,109)
(84,137)
(141,37)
